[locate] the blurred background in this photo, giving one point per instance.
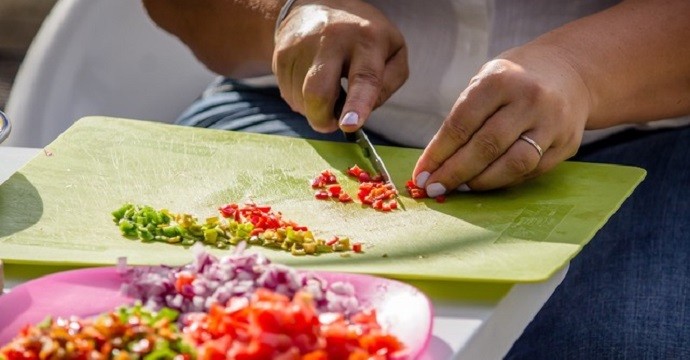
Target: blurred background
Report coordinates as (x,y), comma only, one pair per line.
(19,22)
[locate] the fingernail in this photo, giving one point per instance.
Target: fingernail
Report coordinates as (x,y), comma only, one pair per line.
(421,178)
(463,188)
(350,119)
(435,189)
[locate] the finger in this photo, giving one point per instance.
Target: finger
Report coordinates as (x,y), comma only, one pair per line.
(395,74)
(283,69)
(365,81)
(521,162)
(299,72)
(320,91)
(475,104)
(489,143)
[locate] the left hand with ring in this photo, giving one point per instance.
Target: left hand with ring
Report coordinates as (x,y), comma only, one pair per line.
(527,93)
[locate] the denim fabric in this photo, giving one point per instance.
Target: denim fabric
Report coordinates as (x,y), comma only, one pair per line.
(232,105)
(626,295)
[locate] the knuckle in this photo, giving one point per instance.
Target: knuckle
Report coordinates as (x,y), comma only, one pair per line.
(488,146)
(369,32)
(315,92)
(519,165)
(367,76)
(457,131)
(454,178)
(434,160)
(280,53)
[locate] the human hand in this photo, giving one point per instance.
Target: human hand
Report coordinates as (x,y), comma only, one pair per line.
(530,91)
(319,42)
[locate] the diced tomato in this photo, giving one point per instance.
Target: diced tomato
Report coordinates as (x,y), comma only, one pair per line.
(344,197)
(316,355)
(183,279)
(440,199)
(375,343)
(357,247)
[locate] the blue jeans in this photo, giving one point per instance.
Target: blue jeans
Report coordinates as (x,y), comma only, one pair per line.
(626,295)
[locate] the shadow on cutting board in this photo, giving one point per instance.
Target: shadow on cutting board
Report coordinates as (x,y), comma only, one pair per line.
(20,195)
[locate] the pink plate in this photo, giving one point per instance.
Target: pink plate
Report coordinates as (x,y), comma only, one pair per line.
(404,310)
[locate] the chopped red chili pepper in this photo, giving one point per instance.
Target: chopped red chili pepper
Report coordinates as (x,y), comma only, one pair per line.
(415,191)
(372,191)
(334,190)
(322,195)
(333,241)
(354,171)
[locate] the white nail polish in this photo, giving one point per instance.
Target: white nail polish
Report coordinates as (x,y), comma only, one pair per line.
(421,178)
(350,119)
(435,189)
(464,188)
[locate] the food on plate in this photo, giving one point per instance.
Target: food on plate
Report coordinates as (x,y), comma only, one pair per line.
(255,224)
(125,333)
(274,326)
(239,306)
(209,280)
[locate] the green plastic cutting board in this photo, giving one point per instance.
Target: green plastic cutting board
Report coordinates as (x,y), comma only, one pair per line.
(56,209)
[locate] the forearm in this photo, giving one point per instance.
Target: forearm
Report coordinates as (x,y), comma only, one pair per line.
(231,37)
(633,58)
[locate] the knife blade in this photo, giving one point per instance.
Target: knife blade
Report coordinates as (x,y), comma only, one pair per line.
(368,150)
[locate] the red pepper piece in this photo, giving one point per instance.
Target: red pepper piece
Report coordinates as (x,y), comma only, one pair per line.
(357,247)
(354,171)
(332,241)
(334,190)
(322,195)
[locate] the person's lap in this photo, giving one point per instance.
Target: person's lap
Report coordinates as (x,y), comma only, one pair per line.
(230,105)
(626,295)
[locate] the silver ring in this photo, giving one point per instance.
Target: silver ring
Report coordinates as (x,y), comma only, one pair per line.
(5,127)
(533,143)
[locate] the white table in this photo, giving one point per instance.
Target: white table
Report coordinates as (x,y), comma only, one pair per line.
(478,328)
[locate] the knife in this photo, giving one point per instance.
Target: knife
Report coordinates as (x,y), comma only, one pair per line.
(360,138)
